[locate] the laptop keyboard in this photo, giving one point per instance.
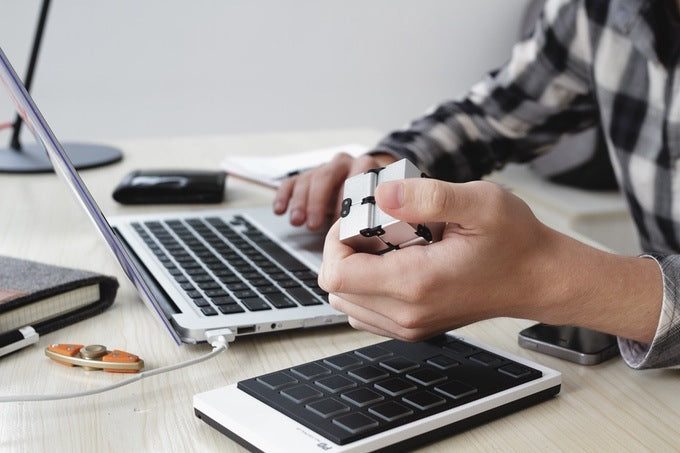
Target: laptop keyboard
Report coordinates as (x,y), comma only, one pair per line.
(361,393)
(227,268)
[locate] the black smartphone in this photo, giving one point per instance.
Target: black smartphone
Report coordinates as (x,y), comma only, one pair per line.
(576,344)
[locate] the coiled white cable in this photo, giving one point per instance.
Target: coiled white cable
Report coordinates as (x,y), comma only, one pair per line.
(219,343)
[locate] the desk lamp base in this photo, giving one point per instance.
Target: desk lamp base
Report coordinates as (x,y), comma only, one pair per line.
(32,158)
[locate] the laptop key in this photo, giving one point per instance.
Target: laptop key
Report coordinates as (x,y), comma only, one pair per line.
(279,300)
(230,309)
(255,304)
(201,303)
(245,294)
(224,300)
(209,311)
(304,297)
(271,289)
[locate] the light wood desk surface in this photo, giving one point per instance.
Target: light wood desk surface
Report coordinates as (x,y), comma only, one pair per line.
(602,408)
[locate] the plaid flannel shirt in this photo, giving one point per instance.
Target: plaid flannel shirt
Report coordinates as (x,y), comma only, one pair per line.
(587,62)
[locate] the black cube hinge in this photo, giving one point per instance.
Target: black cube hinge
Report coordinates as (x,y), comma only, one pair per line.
(375,170)
(424,232)
(370,232)
(345,207)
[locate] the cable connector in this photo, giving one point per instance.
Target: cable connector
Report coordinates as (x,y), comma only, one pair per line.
(219,337)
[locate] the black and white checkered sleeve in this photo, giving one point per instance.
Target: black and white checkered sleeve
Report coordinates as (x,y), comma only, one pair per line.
(542,93)
(664,351)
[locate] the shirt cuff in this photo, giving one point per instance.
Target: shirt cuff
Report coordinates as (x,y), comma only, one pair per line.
(663,351)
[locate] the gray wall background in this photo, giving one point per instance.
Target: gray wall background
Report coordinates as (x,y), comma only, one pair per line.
(130,68)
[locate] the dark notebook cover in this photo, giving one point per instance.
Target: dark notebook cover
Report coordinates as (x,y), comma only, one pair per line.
(24,282)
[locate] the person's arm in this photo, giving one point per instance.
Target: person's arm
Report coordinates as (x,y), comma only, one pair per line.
(541,94)
(495,259)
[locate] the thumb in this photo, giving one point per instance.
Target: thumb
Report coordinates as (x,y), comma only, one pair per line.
(429,200)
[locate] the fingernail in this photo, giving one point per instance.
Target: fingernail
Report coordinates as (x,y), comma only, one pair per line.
(313,221)
(278,206)
(297,216)
(392,195)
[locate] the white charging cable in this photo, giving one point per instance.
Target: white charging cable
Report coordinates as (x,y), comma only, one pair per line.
(218,339)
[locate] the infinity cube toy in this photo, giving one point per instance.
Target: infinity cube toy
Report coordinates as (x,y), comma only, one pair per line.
(365,228)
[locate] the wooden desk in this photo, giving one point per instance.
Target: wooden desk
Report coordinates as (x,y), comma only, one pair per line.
(606,407)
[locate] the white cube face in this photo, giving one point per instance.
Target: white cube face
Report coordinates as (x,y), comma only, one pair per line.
(365,228)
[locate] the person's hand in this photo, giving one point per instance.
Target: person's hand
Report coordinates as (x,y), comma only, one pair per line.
(313,194)
(490,262)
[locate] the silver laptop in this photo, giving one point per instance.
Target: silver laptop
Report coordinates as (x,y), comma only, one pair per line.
(246,270)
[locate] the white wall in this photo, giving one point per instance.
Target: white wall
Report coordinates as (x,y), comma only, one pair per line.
(129,68)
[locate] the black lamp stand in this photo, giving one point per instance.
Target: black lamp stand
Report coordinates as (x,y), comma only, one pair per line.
(18,158)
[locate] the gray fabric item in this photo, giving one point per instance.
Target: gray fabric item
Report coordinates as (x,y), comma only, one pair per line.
(23,282)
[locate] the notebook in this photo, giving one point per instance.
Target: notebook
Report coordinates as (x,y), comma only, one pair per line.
(48,297)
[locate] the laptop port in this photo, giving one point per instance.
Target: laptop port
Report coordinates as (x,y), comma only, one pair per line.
(245,330)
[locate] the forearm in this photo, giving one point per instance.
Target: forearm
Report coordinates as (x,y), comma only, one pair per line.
(611,293)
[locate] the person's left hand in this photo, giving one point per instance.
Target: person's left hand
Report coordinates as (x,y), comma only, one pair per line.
(494,260)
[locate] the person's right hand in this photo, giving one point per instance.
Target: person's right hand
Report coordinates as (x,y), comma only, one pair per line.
(313,194)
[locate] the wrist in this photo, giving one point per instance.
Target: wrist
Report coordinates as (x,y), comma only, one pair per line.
(584,286)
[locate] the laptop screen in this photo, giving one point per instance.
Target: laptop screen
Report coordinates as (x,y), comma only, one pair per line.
(64,168)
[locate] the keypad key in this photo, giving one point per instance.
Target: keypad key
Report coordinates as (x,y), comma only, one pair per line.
(442,362)
(460,348)
(301,393)
(362,397)
(343,361)
(486,359)
(399,364)
(335,384)
(216,293)
(515,370)
(230,309)
(276,381)
(209,311)
(395,386)
(373,353)
(455,389)
(355,423)
(368,373)
(423,400)
(255,304)
(310,370)
(426,376)
(328,407)
(194,294)
(390,411)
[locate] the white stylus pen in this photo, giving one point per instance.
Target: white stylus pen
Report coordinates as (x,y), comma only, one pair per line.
(16,339)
